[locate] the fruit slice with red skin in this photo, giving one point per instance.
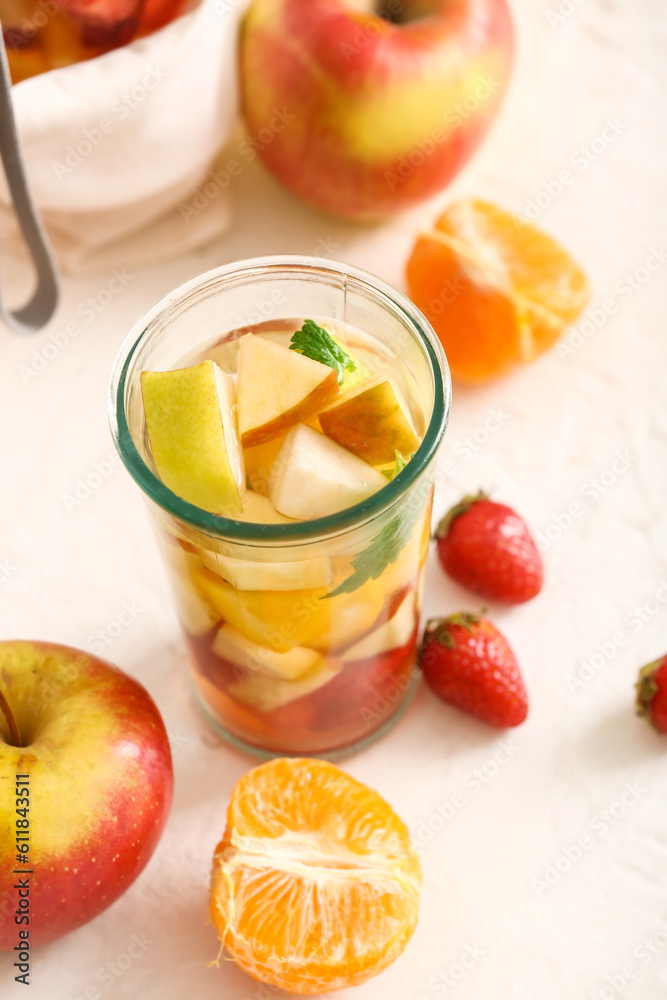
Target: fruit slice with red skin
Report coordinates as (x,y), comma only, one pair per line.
(277,388)
(651,691)
(486,547)
(468,663)
(95,747)
(370,422)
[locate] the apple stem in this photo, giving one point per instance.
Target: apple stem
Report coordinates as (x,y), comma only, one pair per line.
(14,733)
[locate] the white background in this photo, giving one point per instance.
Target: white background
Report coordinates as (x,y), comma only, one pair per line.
(71,571)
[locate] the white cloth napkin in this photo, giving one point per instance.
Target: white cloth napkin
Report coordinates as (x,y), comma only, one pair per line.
(116,147)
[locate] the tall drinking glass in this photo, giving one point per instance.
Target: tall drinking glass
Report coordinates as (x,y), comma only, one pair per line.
(324,613)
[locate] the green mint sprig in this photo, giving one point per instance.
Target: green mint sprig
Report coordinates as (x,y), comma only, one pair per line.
(400,465)
(315,343)
(385,547)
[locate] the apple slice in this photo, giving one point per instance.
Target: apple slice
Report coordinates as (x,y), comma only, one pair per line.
(237,649)
(259,461)
(248,574)
(192,433)
(392,635)
(259,509)
(253,573)
(313,476)
(277,388)
(352,615)
(267,694)
(371,423)
(283,619)
(196,617)
(273,618)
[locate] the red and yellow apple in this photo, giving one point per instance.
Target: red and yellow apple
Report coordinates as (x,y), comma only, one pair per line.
(99,785)
(365,108)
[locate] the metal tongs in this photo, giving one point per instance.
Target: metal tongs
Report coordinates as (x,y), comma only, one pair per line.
(41,307)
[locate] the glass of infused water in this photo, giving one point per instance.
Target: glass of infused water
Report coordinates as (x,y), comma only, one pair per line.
(282,416)
(40,35)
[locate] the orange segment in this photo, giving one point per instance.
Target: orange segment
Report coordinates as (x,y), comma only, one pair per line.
(315,884)
(497,291)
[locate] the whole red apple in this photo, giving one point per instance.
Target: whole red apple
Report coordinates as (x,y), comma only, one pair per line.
(364,109)
(85,782)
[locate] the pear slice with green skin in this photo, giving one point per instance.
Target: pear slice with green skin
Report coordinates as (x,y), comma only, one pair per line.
(312,476)
(371,423)
(193,438)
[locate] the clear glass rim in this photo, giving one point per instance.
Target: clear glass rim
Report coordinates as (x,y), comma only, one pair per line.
(215,524)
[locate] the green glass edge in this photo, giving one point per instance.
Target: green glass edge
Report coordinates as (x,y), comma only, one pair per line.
(214,524)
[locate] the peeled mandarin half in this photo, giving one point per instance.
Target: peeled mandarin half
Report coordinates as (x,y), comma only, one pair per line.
(315,884)
(497,290)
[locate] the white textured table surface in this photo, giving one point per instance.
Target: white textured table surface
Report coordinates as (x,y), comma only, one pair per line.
(582,765)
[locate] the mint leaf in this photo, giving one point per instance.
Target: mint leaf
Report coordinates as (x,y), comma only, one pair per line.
(385,548)
(400,465)
(315,343)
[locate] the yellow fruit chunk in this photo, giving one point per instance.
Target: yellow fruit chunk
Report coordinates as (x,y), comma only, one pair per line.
(392,635)
(371,423)
(237,649)
(315,884)
(281,620)
(277,388)
(351,616)
(192,433)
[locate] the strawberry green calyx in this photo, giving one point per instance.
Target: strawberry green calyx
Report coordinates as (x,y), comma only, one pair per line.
(459,508)
(440,628)
(646,689)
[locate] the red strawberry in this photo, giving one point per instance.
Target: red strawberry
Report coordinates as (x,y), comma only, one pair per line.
(651,690)
(488,548)
(468,663)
